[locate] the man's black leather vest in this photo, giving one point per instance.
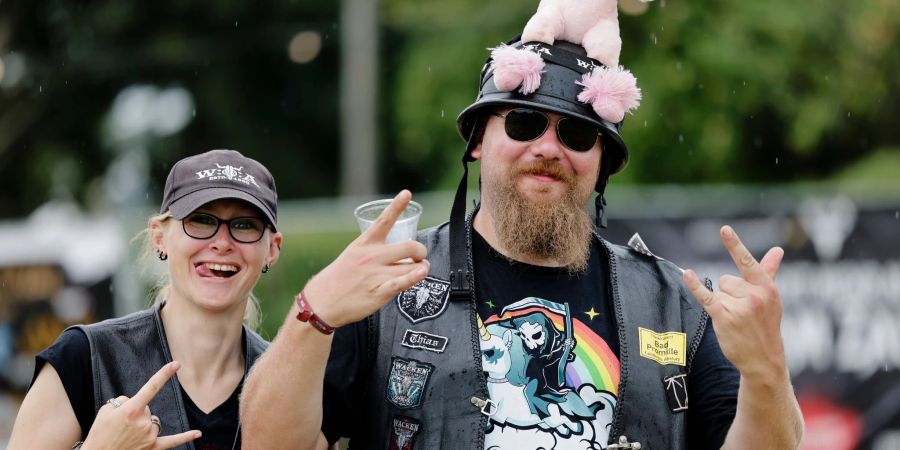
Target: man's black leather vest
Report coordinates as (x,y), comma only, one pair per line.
(647,293)
(127,351)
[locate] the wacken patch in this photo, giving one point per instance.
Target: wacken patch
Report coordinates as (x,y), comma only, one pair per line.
(427,299)
(407,382)
(403,432)
(424,341)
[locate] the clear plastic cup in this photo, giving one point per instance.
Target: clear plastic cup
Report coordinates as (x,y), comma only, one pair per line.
(404,228)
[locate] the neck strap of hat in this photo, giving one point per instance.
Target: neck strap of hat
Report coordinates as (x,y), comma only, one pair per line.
(459,282)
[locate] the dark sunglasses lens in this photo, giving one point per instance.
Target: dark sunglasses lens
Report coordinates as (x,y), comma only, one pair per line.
(525,125)
(578,135)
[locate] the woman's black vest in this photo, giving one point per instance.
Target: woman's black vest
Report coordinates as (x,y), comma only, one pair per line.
(127,351)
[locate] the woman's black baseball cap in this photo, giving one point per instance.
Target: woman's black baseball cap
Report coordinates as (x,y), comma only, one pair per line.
(218,174)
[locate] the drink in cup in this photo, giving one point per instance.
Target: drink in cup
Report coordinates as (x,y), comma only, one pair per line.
(404,228)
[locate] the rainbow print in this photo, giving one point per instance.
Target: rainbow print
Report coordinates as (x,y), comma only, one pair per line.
(595,363)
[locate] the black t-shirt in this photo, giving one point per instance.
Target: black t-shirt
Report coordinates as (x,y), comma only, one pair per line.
(531,311)
(70,356)
(524,365)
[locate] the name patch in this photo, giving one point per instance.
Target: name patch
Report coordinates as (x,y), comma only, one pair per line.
(403,432)
(424,341)
(407,382)
(664,348)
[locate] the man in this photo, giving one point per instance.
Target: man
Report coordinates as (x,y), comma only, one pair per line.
(535,333)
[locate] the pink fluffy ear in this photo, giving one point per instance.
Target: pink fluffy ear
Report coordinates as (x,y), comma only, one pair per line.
(611,92)
(515,67)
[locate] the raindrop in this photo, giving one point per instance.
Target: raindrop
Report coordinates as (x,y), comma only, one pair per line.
(442,114)
(733,92)
(776,160)
(194,112)
(41,88)
(680,138)
(744,82)
(678,66)
(235,23)
(897,215)
(654,38)
(429,68)
(645,124)
(826,78)
(848,113)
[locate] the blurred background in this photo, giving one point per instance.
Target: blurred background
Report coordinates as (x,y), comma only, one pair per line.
(777,117)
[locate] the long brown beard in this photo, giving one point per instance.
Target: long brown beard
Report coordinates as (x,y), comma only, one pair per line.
(542,228)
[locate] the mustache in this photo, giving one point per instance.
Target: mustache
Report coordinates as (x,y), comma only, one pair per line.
(547,168)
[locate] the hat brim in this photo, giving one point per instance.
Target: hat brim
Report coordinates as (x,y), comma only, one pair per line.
(189,203)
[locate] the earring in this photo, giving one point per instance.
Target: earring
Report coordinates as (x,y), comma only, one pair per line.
(265,269)
(162,256)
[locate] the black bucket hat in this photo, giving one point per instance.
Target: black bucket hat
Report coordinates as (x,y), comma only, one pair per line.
(565,64)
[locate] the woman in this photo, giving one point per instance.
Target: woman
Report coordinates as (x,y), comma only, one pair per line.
(216,232)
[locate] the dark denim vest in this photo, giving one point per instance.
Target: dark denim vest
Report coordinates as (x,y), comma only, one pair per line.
(647,292)
(127,351)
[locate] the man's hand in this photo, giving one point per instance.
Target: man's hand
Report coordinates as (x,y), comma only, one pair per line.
(746,311)
(366,275)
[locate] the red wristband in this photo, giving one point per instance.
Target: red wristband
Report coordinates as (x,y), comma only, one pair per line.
(306,314)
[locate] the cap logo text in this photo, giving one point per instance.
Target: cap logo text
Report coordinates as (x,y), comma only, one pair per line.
(227,172)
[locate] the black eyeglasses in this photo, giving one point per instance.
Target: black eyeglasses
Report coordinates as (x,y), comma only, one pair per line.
(525,125)
(246,230)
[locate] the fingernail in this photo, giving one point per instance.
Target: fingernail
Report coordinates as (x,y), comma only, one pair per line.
(727,232)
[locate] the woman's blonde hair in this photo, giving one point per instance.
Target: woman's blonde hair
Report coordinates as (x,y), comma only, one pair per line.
(160,290)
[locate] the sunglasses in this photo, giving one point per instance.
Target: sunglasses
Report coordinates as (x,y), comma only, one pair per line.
(246,230)
(526,125)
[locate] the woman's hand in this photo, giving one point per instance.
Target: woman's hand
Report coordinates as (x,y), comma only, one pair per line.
(128,423)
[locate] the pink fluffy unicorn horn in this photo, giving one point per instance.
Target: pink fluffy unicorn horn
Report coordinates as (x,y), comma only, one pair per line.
(611,90)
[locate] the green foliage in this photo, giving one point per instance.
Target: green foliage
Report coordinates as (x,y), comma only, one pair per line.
(752,91)
(734,90)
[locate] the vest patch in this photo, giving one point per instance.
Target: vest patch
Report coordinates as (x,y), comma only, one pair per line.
(427,299)
(664,348)
(424,341)
(404,431)
(407,382)
(676,392)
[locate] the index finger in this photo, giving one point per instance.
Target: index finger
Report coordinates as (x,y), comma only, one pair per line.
(382,226)
(154,385)
(743,259)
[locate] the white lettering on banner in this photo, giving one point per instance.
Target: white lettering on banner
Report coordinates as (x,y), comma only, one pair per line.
(839,317)
(808,340)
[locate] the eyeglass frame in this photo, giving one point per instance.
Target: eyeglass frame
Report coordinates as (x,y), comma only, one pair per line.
(227,222)
(546,126)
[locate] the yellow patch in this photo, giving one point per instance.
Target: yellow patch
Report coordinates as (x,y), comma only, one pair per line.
(664,348)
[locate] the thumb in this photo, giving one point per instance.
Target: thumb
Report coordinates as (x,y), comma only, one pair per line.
(704,296)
